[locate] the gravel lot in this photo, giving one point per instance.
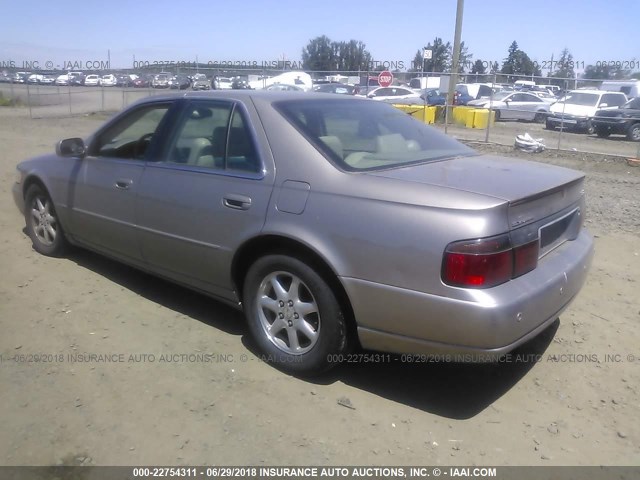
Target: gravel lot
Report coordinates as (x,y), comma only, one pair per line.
(571,397)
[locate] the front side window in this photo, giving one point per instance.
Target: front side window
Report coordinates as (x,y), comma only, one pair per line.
(130,137)
(213,135)
(613,100)
(364,135)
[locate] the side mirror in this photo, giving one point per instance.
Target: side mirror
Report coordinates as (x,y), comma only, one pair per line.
(370,95)
(71,147)
(603,105)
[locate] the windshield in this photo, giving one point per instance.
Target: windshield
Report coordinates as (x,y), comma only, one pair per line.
(581,98)
(365,135)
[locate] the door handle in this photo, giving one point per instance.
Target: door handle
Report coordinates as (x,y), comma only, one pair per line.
(237,202)
(123,183)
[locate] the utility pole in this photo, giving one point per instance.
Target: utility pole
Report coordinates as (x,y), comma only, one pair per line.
(456,52)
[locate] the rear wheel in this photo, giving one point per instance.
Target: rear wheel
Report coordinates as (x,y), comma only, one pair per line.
(633,133)
(497,115)
(549,126)
(603,132)
(293,315)
(42,223)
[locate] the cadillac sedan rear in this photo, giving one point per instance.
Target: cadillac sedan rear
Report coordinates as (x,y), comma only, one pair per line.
(331,221)
(440,250)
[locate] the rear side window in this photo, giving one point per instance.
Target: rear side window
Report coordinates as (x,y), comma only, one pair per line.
(365,135)
(213,135)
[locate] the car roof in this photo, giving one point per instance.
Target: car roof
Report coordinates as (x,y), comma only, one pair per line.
(589,90)
(245,95)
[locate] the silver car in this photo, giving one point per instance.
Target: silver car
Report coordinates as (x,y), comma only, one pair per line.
(333,222)
(515,106)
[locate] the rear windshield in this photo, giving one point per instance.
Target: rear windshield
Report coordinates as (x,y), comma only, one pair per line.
(368,135)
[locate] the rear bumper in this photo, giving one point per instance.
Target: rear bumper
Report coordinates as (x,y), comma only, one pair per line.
(501,318)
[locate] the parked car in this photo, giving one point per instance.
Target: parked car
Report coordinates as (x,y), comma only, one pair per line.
(200,82)
(48,80)
(92,80)
(619,121)
(392,93)
(161,80)
(62,80)
(143,81)
(77,80)
(515,106)
(451,252)
(545,95)
(576,110)
(20,77)
(335,87)
(283,87)
(429,96)
(222,83)
(124,81)
(35,78)
(466,92)
(179,82)
(239,83)
(108,80)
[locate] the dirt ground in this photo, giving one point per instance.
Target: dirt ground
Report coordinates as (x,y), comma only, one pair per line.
(571,397)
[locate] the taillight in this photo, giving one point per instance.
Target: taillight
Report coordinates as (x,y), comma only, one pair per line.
(487,262)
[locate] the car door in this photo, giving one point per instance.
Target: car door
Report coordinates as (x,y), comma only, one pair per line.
(208,193)
(107,181)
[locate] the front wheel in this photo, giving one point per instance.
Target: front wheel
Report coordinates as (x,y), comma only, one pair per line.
(590,129)
(633,133)
(549,125)
(42,223)
(539,117)
(603,132)
(293,315)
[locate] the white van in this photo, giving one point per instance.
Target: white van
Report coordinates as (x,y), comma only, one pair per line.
(524,84)
(631,88)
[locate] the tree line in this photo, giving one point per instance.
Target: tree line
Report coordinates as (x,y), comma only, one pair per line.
(323,55)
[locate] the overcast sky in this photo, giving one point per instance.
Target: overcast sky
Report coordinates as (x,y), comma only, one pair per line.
(260,31)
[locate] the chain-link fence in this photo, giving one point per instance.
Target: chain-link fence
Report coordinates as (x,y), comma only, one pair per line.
(483,107)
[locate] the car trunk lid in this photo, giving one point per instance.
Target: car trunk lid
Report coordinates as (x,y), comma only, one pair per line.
(533,190)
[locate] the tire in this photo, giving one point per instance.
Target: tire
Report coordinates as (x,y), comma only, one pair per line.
(497,115)
(299,329)
(549,126)
(603,132)
(539,117)
(633,133)
(42,223)
(590,129)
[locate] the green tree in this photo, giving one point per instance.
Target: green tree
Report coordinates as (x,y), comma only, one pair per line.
(325,56)
(319,55)
(440,60)
(564,67)
(606,72)
(519,63)
(465,58)
(478,67)
(352,56)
